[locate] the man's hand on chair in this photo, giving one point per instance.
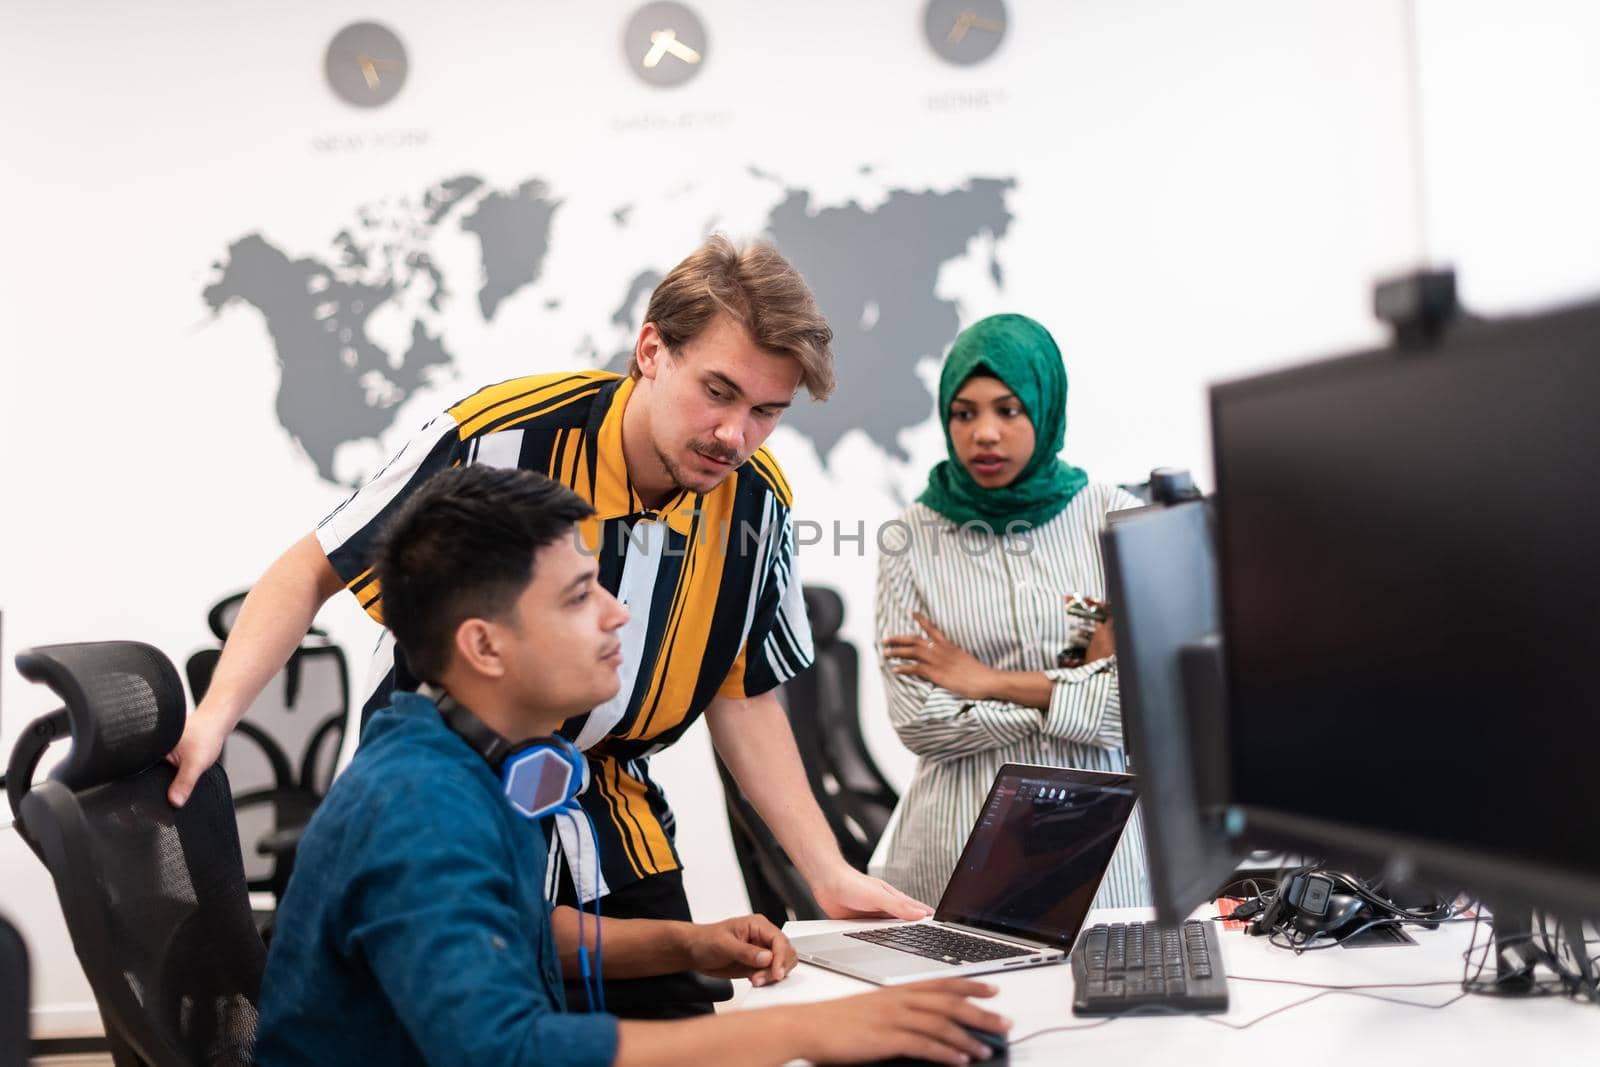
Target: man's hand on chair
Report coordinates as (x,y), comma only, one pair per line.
(198,749)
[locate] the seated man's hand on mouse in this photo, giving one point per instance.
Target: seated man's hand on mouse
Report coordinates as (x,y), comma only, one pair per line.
(930,1020)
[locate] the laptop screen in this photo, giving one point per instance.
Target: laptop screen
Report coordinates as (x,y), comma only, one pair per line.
(1034,861)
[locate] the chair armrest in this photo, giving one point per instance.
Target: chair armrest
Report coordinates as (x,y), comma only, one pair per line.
(281,843)
(717,990)
(25,757)
(293,808)
(649,995)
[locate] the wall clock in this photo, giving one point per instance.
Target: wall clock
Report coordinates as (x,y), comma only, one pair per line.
(366,64)
(664,43)
(964,32)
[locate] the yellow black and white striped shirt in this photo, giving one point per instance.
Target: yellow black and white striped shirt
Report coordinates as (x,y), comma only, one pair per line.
(715,605)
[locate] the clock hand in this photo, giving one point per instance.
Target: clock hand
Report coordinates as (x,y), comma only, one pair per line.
(958,30)
(682,51)
(664,42)
(370,68)
(970,20)
(658,46)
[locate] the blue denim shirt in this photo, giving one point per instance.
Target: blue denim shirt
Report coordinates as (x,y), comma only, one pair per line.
(415,929)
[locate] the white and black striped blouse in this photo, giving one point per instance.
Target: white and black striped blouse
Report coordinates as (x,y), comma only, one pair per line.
(1007,608)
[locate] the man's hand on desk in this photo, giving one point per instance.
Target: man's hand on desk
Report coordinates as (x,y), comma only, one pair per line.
(746,947)
(921,1020)
(846,893)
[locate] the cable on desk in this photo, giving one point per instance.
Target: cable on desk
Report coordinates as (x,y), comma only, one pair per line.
(1329,992)
(1061,1029)
(1326,985)
(1251,884)
(1325,991)
(1319,941)
(1374,892)
(1572,979)
(1143,1009)
(1552,947)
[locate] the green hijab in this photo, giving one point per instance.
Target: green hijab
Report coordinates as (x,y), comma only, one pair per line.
(1024,356)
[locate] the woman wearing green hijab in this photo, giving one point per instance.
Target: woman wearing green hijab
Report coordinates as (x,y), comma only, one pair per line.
(987,588)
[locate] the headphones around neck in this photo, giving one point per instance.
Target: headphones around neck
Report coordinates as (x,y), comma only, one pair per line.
(540,776)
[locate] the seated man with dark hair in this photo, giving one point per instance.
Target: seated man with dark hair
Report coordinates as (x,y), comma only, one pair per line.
(416,929)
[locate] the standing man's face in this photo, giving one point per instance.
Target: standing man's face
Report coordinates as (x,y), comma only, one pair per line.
(713,402)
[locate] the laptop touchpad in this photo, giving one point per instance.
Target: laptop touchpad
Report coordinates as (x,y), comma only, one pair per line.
(886,962)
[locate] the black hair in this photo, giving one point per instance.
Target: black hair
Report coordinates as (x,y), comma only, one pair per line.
(463,547)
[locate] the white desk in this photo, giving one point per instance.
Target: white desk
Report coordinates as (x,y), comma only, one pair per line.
(1338,1028)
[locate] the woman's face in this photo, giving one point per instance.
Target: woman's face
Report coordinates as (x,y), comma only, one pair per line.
(992,433)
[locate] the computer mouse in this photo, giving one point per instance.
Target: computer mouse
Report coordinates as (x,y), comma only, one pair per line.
(998,1044)
(999,1048)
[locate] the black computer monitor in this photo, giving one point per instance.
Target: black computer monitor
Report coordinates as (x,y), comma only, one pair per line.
(1409,550)
(1161,575)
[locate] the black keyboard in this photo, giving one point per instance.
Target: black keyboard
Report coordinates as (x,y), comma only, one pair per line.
(940,943)
(1123,966)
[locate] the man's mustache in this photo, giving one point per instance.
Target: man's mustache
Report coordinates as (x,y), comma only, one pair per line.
(726,455)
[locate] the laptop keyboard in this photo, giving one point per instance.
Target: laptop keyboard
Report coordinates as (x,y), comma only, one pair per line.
(940,943)
(1122,966)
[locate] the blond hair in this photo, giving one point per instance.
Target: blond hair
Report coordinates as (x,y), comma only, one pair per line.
(757,288)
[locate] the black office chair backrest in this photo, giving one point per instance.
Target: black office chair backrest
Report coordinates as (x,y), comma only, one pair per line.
(154,897)
(13,997)
(825,714)
(282,756)
(302,710)
(771,880)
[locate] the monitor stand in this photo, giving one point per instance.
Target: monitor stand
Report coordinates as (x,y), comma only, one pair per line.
(1515,955)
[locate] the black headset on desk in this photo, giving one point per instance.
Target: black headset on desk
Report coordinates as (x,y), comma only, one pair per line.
(1318,903)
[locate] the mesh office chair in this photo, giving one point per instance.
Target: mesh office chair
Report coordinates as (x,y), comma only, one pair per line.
(773,883)
(825,714)
(293,732)
(13,997)
(823,705)
(154,897)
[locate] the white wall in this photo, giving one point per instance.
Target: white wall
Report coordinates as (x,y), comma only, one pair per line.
(1508,96)
(1201,191)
